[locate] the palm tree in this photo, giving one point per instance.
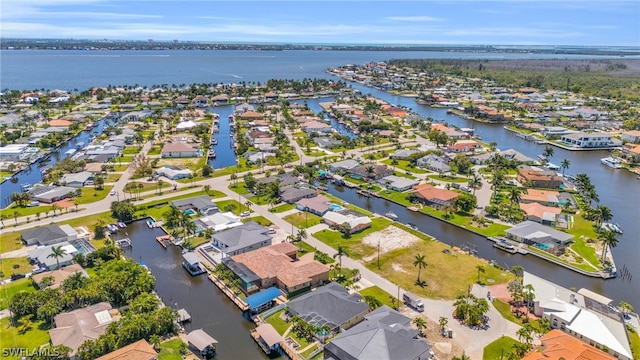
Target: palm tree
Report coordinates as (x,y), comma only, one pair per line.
(248,204)
(609,240)
(565,165)
(443,321)
(514,195)
(76,202)
(160,183)
(339,255)
(302,234)
(603,214)
(548,152)
(419,323)
(420,264)
(475,182)
(461,357)
(55,207)
(207,188)
(57,252)
(524,334)
(370,170)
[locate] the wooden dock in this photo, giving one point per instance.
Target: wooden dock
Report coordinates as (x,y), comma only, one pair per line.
(230,294)
(162,240)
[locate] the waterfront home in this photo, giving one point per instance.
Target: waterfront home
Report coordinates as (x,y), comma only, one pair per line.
(251,115)
(403,154)
(464,146)
(594,140)
(200,101)
(77,180)
(178,150)
(255,157)
(631,152)
(198,204)
(356,220)
(12,152)
(377,171)
(539,177)
(219,221)
(139,350)
(75,327)
(48,235)
(514,155)
(557,344)
(285,179)
(327,142)
(186,125)
(397,183)
(316,126)
(551,131)
(58,275)
(276,265)
(433,196)
(343,165)
(318,205)
(543,197)
(291,194)
(241,239)
(385,334)
(201,344)
(40,255)
(63,124)
(632,136)
(584,315)
(242,108)
(539,213)
(541,236)
(332,305)
(174,173)
(253,135)
(434,162)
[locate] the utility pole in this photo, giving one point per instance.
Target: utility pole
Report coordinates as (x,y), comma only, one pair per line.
(378,254)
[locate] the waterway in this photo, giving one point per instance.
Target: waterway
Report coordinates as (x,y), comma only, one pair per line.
(225,154)
(210,310)
(33,173)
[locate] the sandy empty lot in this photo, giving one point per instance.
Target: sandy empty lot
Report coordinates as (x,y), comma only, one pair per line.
(389,238)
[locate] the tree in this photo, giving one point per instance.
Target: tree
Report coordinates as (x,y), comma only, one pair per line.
(420,324)
(248,204)
(345,229)
(56,253)
(625,307)
(565,165)
(207,188)
(548,152)
(207,170)
(302,234)
(609,240)
(160,183)
(603,214)
(465,202)
(99,230)
(475,182)
(461,357)
(341,252)
(493,145)
(154,340)
(124,211)
(250,182)
(372,301)
(420,264)
(514,195)
(443,321)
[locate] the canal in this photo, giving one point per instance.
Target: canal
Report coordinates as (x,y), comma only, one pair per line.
(210,310)
(225,155)
(33,173)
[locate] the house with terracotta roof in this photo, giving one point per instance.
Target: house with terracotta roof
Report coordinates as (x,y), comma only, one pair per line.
(538,177)
(558,345)
(464,146)
(433,196)
(631,152)
(139,350)
(59,123)
(276,265)
(543,197)
(251,115)
(179,150)
(539,213)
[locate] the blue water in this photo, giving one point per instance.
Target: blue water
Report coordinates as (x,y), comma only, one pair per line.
(335,207)
(190,212)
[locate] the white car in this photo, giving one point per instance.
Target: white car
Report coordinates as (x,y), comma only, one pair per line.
(112,193)
(245,214)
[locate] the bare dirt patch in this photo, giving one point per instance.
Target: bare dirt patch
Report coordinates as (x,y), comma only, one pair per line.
(398,268)
(389,238)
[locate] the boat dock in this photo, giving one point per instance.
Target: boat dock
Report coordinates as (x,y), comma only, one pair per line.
(162,240)
(124,243)
(230,294)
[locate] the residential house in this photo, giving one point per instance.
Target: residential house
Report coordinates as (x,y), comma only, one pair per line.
(370,171)
(48,235)
(316,126)
(544,197)
(254,157)
(75,327)
(58,275)
(332,305)
(539,213)
(12,152)
(277,265)
(434,162)
(555,131)
(282,180)
(403,154)
(327,142)
(558,345)
(398,183)
(385,334)
(631,152)
(539,177)
(219,221)
(174,173)
(291,194)
(139,350)
(318,205)
(356,220)
(585,140)
(242,108)
(433,196)
(199,204)
(221,99)
(584,315)
(241,239)
(179,150)
(186,125)
(514,155)
(64,124)
(41,255)
(464,146)
(632,136)
(200,101)
(251,115)
(77,180)
(343,165)
(540,236)
(255,134)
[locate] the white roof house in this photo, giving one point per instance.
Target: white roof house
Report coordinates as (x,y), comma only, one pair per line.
(220,221)
(173,173)
(353,220)
(186,125)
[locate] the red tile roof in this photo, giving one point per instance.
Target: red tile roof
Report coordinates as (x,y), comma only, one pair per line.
(559,345)
(431,193)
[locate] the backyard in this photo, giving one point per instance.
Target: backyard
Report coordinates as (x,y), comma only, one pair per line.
(303,219)
(36,335)
(499,348)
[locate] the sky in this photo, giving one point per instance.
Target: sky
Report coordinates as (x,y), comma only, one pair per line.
(418,22)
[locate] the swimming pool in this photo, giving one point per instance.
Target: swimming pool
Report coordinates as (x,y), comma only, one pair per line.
(334,207)
(190,212)
(544,246)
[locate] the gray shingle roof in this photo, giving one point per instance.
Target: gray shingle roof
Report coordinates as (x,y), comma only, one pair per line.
(46,235)
(198,202)
(242,236)
(528,228)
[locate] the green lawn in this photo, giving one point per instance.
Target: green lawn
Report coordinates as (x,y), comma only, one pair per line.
(282,208)
(498,348)
(120,168)
(304,248)
(303,219)
(8,290)
(23,211)
(381,295)
(404,165)
(129,150)
(583,266)
(280,325)
(155,150)
(36,336)
(239,188)
(237,207)
(259,219)
(505,310)
(111,178)
(17,265)
(449,178)
(147,186)
(6,173)
(90,195)
(170,199)
(353,246)
(582,230)
(635,342)
(170,350)
(259,200)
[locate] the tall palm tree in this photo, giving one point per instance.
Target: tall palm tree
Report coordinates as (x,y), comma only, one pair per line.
(480,270)
(420,264)
(609,240)
(514,195)
(248,204)
(419,323)
(548,152)
(565,165)
(443,321)
(475,182)
(57,252)
(302,234)
(603,214)
(339,256)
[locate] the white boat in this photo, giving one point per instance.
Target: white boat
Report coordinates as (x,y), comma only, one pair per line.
(551,166)
(611,162)
(80,145)
(391,215)
(70,152)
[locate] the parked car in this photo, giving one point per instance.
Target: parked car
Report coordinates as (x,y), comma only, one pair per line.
(112,192)
(245,214)
(33,203)
(17,276)
(272,231)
